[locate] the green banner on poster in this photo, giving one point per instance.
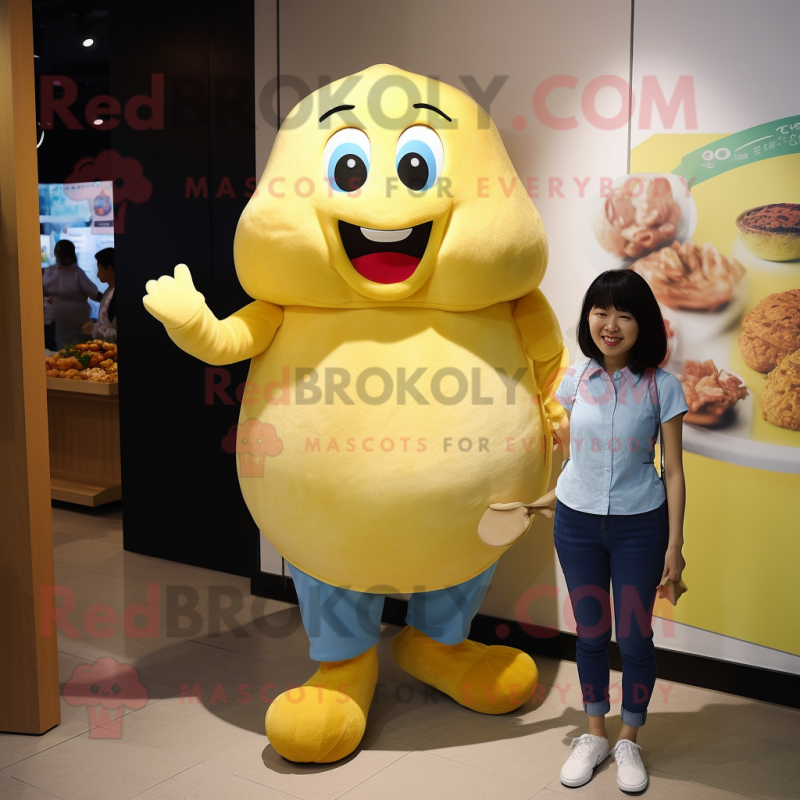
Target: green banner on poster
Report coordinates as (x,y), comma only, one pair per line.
(777,138)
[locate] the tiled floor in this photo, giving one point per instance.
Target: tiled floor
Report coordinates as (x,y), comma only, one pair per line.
(158,741)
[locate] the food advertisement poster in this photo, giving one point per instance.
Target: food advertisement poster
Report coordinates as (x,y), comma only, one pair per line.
(716,233)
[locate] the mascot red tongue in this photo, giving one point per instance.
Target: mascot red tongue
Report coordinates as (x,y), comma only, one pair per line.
(386,267)
(392,382)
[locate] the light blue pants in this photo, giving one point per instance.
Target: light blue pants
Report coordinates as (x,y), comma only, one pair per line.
(342,623)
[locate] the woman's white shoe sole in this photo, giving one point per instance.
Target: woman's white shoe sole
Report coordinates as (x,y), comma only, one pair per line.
(640,788)
(572,784)
(575,784)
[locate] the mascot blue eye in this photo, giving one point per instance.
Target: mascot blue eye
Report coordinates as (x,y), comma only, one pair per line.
(346,160)
(420,158)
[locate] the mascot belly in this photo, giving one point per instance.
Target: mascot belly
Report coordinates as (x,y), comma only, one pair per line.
(379,479)
(403,362)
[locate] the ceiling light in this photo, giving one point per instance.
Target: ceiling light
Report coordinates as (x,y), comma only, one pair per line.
(88,42)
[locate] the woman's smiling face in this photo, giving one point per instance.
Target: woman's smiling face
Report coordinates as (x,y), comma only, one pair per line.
(613,331)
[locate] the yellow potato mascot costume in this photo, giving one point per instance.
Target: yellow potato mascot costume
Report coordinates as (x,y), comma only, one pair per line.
(402,368)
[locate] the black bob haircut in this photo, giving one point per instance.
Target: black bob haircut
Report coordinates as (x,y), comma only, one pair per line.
(626,290)
(105,257)
(65,249)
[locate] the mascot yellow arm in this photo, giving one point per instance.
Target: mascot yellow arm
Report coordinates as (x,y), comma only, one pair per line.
(541,335)
(194,328)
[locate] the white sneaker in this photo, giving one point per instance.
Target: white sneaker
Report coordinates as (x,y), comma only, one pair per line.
(587,752)
(631,774)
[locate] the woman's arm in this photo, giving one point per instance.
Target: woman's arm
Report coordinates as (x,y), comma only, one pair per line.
(672,433)
(87,287)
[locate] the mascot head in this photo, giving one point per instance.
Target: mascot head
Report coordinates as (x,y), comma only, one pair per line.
(389,188)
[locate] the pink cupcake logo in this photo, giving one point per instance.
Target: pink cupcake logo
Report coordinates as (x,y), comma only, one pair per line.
(252,441)
(106,688)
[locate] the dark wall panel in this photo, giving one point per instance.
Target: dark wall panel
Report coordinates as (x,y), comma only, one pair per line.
(180,492)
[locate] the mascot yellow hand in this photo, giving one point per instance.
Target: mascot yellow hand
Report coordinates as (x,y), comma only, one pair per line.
(174,301)
(402,362)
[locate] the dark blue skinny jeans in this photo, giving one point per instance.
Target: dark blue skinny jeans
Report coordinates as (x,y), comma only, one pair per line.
(628,550)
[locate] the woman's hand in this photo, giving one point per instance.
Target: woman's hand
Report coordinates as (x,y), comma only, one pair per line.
(674,563)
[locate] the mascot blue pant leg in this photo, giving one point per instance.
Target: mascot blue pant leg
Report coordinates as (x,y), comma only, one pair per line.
(342,624)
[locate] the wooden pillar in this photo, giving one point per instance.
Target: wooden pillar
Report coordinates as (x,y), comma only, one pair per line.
(29,691)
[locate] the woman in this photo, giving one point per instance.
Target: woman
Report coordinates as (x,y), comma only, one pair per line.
(68,288)
(611,520)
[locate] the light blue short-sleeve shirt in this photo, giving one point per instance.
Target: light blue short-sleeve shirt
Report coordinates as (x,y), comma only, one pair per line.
(613,430)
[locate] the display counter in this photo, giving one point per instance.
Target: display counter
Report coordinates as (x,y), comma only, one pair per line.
(83,417)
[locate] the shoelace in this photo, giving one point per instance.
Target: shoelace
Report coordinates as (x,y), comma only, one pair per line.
(582,748)
(627,753)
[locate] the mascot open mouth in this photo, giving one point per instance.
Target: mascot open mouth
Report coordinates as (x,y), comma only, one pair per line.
(385,256)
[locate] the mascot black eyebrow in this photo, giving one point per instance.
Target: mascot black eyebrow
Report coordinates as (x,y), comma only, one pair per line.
(391,250)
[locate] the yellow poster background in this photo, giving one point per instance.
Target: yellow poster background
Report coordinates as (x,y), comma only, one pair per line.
(742,531)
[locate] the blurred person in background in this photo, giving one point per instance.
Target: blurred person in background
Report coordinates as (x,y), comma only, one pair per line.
(49,323)
(67,288)
(105,327)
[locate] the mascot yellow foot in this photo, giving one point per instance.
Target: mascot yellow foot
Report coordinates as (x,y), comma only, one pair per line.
(491,680)
(324,719)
